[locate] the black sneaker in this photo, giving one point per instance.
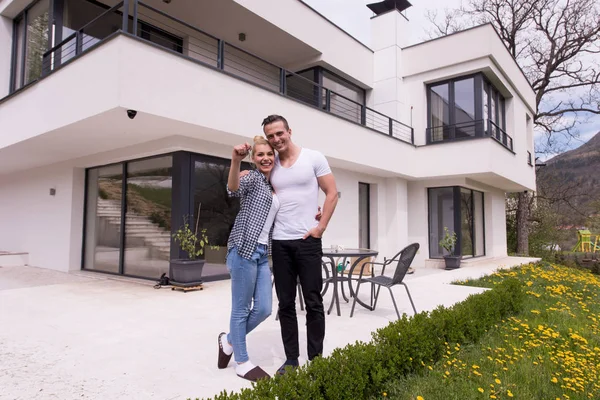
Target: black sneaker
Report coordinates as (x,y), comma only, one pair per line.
(289,363)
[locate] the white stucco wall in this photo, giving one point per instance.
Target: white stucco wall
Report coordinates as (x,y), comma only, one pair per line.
(5,54)
(47,227)
(389,33)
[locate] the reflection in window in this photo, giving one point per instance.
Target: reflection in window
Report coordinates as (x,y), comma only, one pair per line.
(216,209)
(148,217)
(486,107)
(103,218)
(440,111)
(464,107)
(450,204)
(364,211)
(37,40)
(78,14)
(345,99)
(441,214)
(478,234)
(18,60)
(466,220)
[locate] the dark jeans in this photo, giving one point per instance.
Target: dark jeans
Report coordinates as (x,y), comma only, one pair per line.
(293,259)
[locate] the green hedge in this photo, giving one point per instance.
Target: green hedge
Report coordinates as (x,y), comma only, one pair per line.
(360,370)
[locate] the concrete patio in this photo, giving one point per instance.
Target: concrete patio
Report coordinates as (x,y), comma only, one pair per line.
(91,336)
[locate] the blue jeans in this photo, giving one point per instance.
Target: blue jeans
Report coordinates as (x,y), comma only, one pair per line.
(251,296)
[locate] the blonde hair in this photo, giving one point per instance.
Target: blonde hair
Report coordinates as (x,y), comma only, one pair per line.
(259,140)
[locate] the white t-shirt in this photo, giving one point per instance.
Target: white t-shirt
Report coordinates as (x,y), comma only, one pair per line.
(298,191)
(264,235)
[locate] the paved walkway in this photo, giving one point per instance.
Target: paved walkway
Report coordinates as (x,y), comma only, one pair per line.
(88,336)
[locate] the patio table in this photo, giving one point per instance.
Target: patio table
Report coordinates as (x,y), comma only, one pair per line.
(359,255)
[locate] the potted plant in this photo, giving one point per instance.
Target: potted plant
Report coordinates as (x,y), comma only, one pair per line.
(447,243)
(188,270)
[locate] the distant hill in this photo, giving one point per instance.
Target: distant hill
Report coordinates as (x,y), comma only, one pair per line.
(573,176)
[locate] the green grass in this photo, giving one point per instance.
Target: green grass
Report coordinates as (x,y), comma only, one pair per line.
(549,351)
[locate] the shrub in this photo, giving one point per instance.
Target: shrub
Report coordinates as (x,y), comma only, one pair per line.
(360,370)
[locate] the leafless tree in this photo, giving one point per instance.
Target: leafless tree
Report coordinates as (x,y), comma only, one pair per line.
(556,43)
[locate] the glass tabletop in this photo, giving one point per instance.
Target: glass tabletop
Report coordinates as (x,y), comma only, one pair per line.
(334,252)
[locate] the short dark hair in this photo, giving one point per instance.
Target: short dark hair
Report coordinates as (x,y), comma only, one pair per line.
(274,118)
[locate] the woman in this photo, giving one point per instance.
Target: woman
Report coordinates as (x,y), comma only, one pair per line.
(247,258)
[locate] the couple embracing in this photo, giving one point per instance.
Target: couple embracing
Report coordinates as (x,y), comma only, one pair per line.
(279,200)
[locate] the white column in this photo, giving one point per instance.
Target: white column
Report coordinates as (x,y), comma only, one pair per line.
(389,33)
(495,224)
(393,217)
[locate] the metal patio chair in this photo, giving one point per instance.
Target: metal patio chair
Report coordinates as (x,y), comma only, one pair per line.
(403,259)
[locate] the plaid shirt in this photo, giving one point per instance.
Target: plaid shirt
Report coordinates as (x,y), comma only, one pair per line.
(256,197)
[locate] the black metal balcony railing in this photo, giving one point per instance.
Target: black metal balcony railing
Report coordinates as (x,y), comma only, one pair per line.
(469,130)
(158,27)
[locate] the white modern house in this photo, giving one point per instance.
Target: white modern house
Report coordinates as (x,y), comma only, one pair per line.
(117,120)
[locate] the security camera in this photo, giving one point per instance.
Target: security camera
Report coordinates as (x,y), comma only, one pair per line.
(131,114)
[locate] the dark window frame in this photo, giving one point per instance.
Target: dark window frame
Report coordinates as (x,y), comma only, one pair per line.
(149,29)
(22,17)
(55,16)
(123,165)
(457,218)
(318,79)
(480,81)
(368,205)
(182,201)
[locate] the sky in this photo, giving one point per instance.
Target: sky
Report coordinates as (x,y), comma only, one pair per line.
(353,16)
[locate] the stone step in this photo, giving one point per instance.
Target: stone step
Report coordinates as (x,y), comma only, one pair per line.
(143,228)
(148,234)
(129,217)
(133,217)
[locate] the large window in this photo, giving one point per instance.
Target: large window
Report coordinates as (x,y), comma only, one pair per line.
(136,240)
(104,194)
(148,217)
(326,90)
(213,210)
(461,211)
(465,108)
(30,43)
(134,207)
(89,17)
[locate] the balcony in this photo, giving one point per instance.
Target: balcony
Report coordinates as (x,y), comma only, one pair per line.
(158,28)
(469,130)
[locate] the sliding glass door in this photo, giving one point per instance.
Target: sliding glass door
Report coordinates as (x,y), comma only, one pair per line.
(103,219)
(148,217)
(128,223)
(461,211)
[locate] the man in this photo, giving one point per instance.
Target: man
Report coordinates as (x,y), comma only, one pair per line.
(297,249)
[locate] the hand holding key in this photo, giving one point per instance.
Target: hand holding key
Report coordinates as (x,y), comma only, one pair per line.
(240,151)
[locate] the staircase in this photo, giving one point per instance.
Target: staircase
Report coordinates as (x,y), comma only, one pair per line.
(140,231)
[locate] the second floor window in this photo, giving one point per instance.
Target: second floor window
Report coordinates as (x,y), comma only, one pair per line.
(463,108)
